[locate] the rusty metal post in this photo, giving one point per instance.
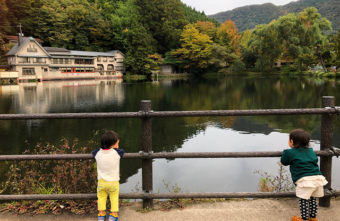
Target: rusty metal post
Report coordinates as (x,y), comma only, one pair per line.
(326,144)
(147,182)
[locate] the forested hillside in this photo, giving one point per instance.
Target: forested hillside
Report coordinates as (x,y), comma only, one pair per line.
(252,15)
(136,26)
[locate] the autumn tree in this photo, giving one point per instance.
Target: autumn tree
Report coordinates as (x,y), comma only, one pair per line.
(227,35)
(4,23)
(196,47)
(207,28)
(156,61)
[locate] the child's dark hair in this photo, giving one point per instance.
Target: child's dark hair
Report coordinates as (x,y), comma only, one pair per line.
(300,138)
(108,139)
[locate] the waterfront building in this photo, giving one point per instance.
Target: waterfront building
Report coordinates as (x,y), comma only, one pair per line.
(33,61)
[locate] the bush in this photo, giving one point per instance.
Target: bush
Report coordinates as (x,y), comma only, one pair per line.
(238,66)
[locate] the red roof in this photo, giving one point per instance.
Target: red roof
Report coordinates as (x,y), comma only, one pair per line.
(11,37)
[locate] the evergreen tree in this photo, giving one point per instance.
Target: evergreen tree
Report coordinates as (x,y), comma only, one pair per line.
(138,45)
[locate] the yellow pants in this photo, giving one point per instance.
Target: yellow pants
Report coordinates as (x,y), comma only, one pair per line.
(103,189)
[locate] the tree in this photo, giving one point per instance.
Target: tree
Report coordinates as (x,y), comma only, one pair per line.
(4,23)
(163,19)
(73,24)
(196,47)
(207,28)
(303,35)
(139,45)
(245,38)
(156,61)
(266,44)
(337,49)
(227,35)
(222,57)
(238,66)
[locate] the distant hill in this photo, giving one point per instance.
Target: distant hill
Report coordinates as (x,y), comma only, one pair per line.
(252,15)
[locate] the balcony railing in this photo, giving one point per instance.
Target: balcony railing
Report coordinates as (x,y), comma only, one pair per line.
(24,62)
(28,73)
(39,62)
(120,69)
(32,50)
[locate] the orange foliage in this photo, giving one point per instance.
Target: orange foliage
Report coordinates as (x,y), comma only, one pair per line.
(228,36)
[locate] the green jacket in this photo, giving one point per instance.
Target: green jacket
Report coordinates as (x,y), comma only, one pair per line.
(303,162)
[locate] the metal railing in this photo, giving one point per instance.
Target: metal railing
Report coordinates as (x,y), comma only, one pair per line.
(146,155)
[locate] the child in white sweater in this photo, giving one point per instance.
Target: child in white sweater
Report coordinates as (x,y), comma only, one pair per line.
(108,159)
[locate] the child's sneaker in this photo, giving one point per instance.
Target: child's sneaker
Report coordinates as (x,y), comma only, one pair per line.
(101,217)
(113,218)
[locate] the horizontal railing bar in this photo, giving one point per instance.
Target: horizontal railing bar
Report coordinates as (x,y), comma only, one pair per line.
(71,116)
(155,196)
(241,112)
(168,114)
(155,155)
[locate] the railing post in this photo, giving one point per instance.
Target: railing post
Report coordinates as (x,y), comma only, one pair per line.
(147,182)
(326,144)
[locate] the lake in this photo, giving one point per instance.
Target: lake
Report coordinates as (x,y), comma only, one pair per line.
(197,134)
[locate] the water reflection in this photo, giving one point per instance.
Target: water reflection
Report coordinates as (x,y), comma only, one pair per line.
(173,134)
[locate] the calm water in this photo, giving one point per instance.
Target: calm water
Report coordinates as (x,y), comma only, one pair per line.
(206,134)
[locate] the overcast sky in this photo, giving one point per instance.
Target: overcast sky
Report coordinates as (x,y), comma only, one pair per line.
(214,6)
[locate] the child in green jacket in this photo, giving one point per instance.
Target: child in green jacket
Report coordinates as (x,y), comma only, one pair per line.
(305,173)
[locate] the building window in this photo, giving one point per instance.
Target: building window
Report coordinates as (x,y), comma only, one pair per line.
(110,67)
(120,60)
(105,59)
(28,71)
(120,68)
(89,70)
(99,59)
(83,61)
(32,48)
(24,60)
(100,67)
(54,69)
(111,59)
(46,69)
(39,60)
(61,61)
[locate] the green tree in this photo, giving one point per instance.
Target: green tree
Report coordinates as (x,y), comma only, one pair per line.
(302,35)
(164,20)
(245,38)
(265,42)
(337,49)
(139,45)
(222,57)
(74,24)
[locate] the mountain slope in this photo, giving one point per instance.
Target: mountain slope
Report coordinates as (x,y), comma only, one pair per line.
(252,15)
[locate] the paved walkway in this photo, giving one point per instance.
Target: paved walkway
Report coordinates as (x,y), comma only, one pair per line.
(256,210)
